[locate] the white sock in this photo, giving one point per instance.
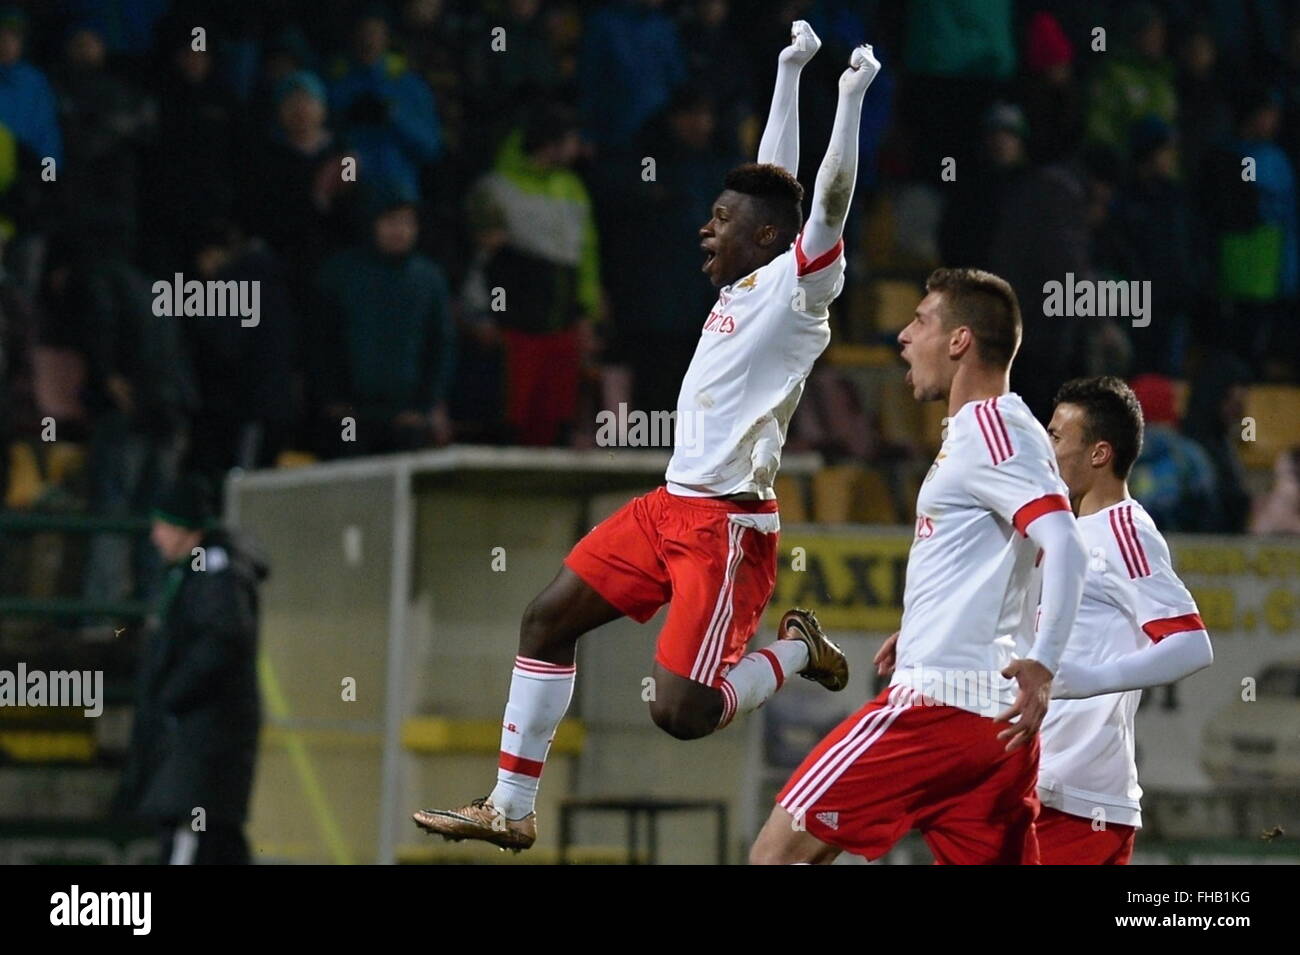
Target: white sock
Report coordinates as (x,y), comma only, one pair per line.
(539,696)
(758,675)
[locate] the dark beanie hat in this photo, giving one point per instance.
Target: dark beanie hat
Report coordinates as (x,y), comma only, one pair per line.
(187,504)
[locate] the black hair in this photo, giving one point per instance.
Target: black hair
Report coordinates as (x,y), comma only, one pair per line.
(547,125)
(1111,413)
(777,194)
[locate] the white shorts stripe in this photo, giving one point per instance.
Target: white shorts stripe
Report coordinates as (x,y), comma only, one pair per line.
(840,756)
(710,652)
(814,774)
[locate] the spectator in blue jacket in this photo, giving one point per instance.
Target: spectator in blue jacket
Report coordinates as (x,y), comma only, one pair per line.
(27,103)
(631,60)
(387,109)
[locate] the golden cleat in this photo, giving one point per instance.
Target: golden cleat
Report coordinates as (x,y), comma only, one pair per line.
(827,664)
(482,821)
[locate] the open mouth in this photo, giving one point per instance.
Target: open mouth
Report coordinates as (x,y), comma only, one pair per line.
(709,256)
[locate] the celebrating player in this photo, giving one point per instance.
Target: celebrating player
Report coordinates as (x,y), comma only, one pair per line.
(1137,627)
(706,543)
(932,751)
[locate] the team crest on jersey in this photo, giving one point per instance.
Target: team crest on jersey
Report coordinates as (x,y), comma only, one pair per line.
(831,820)
(934,467)
(749,282)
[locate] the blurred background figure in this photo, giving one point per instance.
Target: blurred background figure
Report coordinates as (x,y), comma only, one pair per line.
(248,377)
(293,193)
(140,394)
(384,338)
(650,247)
(1277,511)
(1173,477)
(1216,406)
(630,62)
(107,122)
(1135,80)
(27,103)
(194,740)
(539,273)
(1049,91)
(387,109)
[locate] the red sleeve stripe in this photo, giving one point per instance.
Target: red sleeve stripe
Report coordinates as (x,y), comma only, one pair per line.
(1002,426)
(1036,509)
(806,266)
(1123,544)
(997,451)
(1157,630)
(1135,560)
(1136,538)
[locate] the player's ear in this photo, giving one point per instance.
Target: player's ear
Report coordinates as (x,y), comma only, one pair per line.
(765,235)
(1102,454)
(960,341)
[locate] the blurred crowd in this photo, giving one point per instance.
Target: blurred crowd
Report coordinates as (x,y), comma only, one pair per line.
(477,221)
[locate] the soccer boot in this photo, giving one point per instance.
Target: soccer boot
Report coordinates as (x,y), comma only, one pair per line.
(827,664)
(482,821)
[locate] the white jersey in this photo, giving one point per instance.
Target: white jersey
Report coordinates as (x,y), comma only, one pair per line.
(757,348)
(967,597)
(1131,597)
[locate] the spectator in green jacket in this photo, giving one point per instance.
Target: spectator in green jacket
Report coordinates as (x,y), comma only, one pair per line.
(537,278)
(1135,80)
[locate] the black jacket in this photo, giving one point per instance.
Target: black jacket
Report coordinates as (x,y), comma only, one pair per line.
(197,710)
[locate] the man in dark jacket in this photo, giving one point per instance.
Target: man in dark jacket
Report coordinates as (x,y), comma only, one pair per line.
(194,741)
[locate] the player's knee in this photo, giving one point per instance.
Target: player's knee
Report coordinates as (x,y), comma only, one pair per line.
(773,847)
(541,628)
(763,853)
(681,722)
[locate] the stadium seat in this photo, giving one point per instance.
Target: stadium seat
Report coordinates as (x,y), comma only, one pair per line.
(790,492)
(295,459)
(1276,410)
(852,494)
(892,303)
(25,483)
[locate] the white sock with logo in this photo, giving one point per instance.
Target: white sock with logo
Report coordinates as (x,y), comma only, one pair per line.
(539,697)
(758,675)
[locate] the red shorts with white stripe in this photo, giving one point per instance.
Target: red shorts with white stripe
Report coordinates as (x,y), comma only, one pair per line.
(1065,839)
(899,764)
(712,560)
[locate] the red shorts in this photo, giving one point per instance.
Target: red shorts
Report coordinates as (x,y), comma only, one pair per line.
(714,560)
(1065,839)
(898,764)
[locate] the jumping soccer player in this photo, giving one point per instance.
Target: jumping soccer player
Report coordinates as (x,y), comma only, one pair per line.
(706,543)
(932,752)
(1137,627)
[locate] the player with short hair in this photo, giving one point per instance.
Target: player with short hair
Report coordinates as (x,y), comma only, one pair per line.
(1137,627)
(936,750)
(706,543)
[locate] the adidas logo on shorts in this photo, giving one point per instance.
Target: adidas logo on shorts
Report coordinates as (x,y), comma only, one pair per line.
(831,820)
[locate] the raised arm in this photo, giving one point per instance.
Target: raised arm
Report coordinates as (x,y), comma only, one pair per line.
(780,142)
(1165,662)
(839,170)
